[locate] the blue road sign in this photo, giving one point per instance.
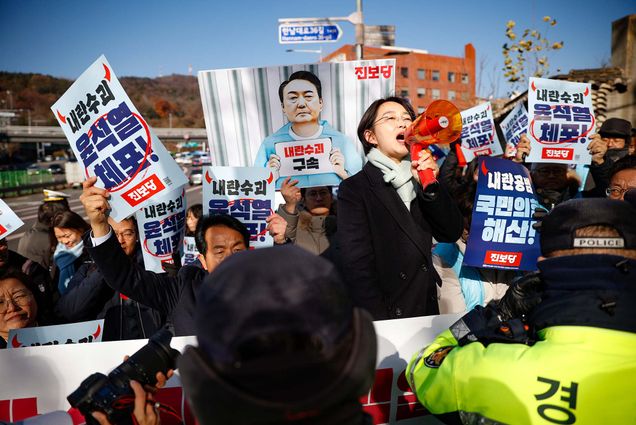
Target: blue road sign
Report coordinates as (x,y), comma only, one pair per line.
(308,33)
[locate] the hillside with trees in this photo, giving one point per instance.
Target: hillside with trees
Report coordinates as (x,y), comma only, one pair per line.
(163,100)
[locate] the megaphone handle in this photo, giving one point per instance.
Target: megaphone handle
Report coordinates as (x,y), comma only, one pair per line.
(427,176)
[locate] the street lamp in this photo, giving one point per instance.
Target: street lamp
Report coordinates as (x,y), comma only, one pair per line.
(319,51)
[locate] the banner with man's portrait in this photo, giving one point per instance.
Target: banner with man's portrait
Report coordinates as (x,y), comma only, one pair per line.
(311,110)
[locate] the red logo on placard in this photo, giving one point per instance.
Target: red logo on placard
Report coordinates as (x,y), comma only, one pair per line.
(499,258)
(557,153)
(143,191)
(3,230)
(480,152)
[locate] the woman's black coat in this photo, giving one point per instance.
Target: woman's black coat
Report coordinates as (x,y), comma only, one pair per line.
(385,249)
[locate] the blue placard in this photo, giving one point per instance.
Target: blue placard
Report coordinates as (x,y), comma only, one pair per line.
(501,233)
(308,33)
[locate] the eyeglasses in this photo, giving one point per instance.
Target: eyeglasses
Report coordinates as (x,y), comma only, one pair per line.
(314,193)
(126,234)
(20,298)
(616,192)
(394,120)
(614,142)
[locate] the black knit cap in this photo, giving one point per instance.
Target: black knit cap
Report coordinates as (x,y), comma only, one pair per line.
(559,226)
(616,127)
(271,291)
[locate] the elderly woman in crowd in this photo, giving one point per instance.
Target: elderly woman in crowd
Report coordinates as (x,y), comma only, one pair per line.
(386,221)
(68,228)
(18,307)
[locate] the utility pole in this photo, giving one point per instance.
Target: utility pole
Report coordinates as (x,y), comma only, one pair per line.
(359,30)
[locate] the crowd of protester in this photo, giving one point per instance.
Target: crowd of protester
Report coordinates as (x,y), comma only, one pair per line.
(397,246)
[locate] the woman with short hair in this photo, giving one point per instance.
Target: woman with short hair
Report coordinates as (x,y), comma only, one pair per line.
(386,221)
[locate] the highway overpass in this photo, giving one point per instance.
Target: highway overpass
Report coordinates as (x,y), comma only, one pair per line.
(54,135)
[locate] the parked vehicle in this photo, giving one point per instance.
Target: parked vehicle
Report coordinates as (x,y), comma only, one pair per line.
(183,158)
(74,173)
(196,176)
(33,169)
(202,159)
(56,169)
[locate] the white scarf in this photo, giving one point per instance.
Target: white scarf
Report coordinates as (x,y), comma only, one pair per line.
(398,175)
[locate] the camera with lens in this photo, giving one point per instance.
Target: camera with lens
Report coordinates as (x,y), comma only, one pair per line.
(112,394)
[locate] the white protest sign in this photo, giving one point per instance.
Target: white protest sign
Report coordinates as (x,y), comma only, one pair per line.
(161,228)
(46,375)
(72,333)
(9,221)
(304,157)
(245,193)
(113,142)
(478,132)
(513,126)
(561,119)
(190,252)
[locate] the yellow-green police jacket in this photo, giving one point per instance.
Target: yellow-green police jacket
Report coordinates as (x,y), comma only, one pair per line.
(576,375)
(572,375)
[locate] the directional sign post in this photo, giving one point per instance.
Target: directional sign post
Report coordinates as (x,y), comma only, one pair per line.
(308,33)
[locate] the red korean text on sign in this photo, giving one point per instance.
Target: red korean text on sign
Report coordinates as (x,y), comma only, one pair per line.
(500,258)
(144,190)
(557,153)
(373,72)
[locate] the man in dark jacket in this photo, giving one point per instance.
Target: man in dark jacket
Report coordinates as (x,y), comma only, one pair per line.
(89,297)
(610,145)
(217,237)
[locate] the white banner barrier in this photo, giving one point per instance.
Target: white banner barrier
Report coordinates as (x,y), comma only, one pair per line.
(36,380)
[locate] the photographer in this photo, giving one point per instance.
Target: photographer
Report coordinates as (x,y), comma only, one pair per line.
(120,398)
(578,309)
(145,411)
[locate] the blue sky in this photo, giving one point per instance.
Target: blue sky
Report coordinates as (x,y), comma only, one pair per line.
(149,38)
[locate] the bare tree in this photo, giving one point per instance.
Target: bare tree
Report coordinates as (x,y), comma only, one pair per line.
(529,54)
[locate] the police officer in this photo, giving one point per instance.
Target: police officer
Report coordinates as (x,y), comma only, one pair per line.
(559,348)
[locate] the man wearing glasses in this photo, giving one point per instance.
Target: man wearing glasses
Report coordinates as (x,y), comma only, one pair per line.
(301,100)
(552,184)
(89,296)
(622,178)
(608,146)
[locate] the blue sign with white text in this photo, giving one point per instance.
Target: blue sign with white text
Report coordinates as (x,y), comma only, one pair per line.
(501,233)
(288,34)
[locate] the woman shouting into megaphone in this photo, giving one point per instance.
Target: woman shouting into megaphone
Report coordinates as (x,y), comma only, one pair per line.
(386,222)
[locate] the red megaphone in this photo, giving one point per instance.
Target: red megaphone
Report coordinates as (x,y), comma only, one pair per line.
(440,123)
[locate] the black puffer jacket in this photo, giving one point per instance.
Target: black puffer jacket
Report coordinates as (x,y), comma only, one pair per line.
(174,297)
(89,297)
